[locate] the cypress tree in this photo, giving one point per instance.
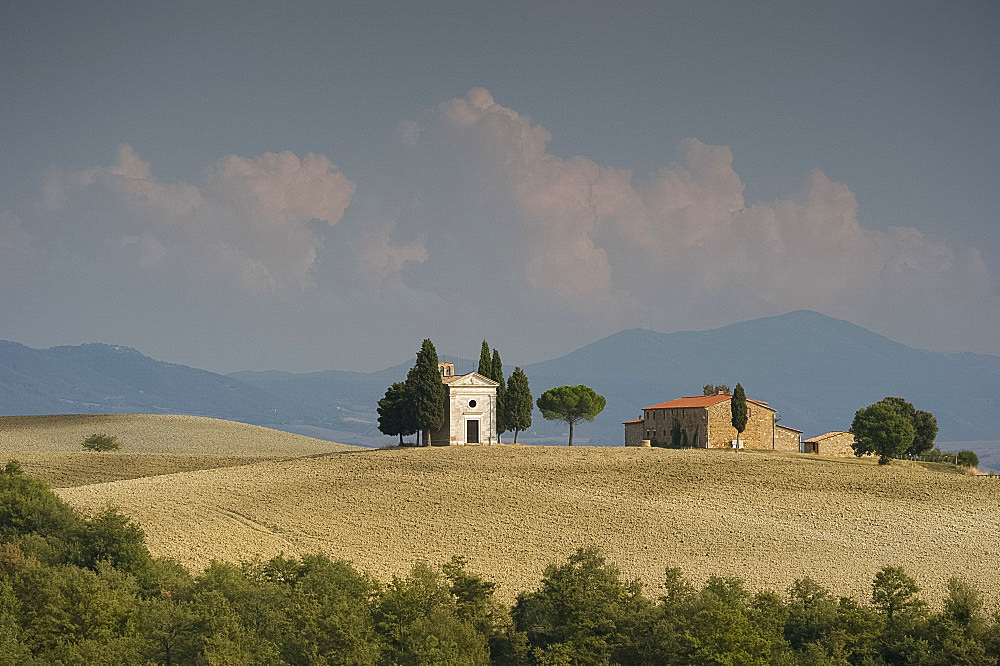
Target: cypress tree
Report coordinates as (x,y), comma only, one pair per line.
(738,407)
(497,375)
(485,362)
(518,402)
(426,391)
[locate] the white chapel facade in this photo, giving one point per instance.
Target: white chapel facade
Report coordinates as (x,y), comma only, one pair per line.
(470,409)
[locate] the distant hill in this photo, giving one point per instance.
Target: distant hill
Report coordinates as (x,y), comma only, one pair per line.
(815,370)
(98,378)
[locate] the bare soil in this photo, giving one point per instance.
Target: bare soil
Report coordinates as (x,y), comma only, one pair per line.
(768,518)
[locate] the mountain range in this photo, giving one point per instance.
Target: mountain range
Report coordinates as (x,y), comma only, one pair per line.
(814,369)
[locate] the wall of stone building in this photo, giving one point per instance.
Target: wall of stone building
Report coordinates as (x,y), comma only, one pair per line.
(759,433)
(787,440)
(458,411)
(839,445)
(658,424)
(634,433)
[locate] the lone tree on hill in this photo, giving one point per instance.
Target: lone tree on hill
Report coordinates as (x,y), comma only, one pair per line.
(518,402)
(426,391)
(714,389)
(883,428)
(100,441)
(395,412)
(924,426)
(571,404)
(738,408)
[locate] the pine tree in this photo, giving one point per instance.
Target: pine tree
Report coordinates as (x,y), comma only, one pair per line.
(738,408)
(571,404)
(485,361)
(426,391)
(519,402)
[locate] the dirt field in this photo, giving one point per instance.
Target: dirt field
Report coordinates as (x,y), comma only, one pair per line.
(49,447)
(768,518)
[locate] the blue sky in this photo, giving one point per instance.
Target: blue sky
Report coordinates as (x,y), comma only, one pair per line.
(321,185)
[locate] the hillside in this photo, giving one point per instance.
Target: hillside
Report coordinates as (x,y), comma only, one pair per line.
(50,446)
(768,518)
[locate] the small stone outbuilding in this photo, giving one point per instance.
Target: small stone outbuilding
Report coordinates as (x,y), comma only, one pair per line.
(837,443)
(787,439)
(470,409)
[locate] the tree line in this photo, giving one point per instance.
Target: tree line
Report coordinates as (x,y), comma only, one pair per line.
(79,591)
(418,404)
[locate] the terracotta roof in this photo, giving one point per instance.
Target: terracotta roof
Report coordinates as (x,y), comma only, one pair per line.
(778,425)
(633,421)
(827,434)
(692,401)
(702,401)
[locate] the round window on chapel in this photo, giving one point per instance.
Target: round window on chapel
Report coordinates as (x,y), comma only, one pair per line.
(472,403)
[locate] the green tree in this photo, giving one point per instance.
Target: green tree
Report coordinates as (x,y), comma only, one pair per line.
(426,391)
(421,622)
(496,374)
(574,615)
(924,425)
(485,361)
(894,593)
(926,428)
(967,458)
(101,442)
(883,428)
(571,404)
(395,412)
(738,409)
(714,389)
(519,402)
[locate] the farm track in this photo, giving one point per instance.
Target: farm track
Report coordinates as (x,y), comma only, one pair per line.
(766,517)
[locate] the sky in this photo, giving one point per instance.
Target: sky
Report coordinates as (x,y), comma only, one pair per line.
(314,185)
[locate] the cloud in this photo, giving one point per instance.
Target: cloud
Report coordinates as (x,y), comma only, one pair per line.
(470,227)
(678,245)
(247,220)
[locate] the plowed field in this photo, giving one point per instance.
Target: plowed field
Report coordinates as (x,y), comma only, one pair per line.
(767,518)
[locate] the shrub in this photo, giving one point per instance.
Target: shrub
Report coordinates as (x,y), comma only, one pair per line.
(101,442)
(968,458)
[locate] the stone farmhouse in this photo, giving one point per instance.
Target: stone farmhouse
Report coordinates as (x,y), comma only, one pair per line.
(470,409)
(836,443)
(706,422)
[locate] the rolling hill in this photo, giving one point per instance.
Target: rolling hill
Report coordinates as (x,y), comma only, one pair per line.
(768,518)
(151,444)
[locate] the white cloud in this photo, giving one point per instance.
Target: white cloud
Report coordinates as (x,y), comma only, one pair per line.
(472,227)
(678,246)
(247,220)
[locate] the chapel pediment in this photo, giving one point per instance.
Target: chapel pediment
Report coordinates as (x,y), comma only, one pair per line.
(470,379)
